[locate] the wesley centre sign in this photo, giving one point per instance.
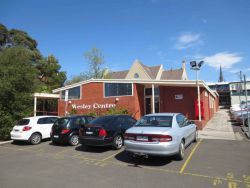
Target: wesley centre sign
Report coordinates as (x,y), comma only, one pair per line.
(93,106)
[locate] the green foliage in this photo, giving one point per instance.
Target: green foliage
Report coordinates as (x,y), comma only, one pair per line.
(78,78)
(23,71)
(73,111)
(111,111)
(96,60)
(5,128)
(92,113)
(96,70)
(3,35)
(17,84)
(49,74)
(120,110)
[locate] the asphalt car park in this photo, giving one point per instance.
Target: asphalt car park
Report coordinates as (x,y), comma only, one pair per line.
(207,163)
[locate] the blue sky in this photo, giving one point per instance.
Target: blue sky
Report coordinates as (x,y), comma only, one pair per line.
(153,31)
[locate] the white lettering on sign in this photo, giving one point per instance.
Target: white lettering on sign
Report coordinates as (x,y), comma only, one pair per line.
(93,106)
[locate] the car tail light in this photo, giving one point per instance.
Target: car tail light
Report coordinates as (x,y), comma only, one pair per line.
(161,138)
(64,131)
(128,136)
(26,128)
(102,132)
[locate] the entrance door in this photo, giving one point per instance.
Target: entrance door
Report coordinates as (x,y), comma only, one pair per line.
(148,105)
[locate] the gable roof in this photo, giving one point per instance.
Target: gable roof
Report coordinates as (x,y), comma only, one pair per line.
(175,74)
(152,71)
(118,75)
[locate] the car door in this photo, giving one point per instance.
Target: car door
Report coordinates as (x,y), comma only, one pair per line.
(45,125)
(42,126)
(48,126)
(183,129)
(191,128)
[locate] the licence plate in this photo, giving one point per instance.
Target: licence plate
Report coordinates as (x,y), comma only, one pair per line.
(56,136)
(142,138)
(89,132)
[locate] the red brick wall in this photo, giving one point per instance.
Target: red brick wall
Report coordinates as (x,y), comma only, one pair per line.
(168,103)
(94,93)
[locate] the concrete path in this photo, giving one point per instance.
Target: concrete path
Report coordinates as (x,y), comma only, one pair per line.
(220,127)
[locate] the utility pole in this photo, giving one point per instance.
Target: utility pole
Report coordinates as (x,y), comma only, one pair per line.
(245,87)
(243,119)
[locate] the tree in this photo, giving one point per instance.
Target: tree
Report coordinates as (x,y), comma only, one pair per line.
(16,37)
(23,71)
(17,84)
(96,70)
(96,62)
(78,78)
(49,74)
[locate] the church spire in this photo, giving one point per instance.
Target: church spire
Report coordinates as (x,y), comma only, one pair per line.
(221,78)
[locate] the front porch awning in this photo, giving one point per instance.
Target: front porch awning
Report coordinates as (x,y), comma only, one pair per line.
(43,96)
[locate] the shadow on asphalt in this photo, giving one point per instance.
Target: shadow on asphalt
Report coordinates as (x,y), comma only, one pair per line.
(25,143)
(138,160)
(59,144)
(93,149)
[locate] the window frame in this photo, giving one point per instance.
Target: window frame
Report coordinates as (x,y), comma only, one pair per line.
(132,89)
(69,99)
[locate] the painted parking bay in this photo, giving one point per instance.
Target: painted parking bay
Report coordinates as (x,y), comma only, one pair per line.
(202,166)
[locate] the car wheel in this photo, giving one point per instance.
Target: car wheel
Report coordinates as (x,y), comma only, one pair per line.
(118,142)
(35,138)
(74,140)
(180,155)
(196,136)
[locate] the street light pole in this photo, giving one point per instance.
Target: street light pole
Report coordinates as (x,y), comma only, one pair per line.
(196,66)
(198,93)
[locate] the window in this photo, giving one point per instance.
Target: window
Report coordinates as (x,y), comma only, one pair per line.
(136,75)
(23,122)
(117,89)
(79,121)
(155,121)
(74,93)
(46,120)
(181,120)
(89,119)
(42,121)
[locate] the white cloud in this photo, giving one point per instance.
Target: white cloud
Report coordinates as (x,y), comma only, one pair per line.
(188,40)
(225,59)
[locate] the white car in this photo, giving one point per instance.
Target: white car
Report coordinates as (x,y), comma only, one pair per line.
(33,129)
(161,134)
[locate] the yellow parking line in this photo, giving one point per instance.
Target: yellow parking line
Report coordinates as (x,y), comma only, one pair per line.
(63,151)
(189,157)
(109,157)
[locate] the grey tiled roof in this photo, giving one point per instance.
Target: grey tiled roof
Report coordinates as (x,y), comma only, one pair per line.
(175,74)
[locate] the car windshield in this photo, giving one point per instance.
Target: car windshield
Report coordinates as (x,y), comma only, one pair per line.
(102,120)
(155,121)
(23,122)
(62,122)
